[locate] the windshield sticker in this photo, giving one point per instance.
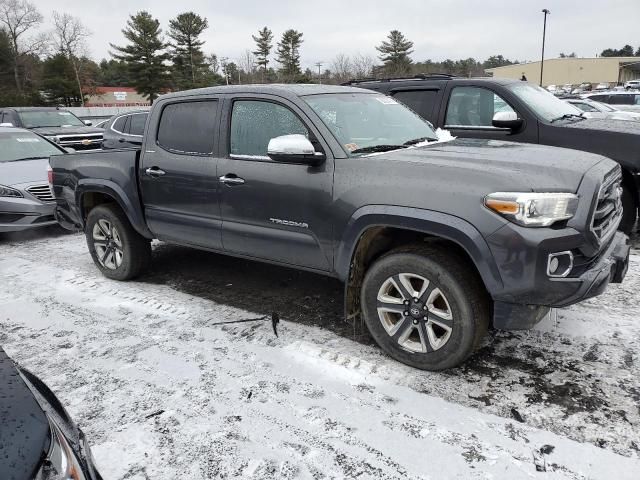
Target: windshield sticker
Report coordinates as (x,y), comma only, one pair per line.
(387,100)
(28,140)
(351,146)
(64,114)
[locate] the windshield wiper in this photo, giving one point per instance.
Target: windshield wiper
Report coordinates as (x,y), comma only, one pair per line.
(378,148)
(419,140)
(567,116)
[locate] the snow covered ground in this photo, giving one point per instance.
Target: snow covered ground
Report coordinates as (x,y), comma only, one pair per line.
(164,393)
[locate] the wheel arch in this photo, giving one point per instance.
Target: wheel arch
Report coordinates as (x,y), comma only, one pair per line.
(374,230)
(90,195)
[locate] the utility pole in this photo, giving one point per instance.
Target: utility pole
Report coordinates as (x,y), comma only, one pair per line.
(319,65)
(544,34)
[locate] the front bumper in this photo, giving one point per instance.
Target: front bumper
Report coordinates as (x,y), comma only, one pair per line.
(18,214)
(529,292)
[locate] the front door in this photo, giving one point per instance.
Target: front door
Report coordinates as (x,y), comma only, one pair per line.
(180,189)
(272,210)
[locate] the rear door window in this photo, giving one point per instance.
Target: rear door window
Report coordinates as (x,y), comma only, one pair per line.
(188,127)
(420,101)
(621,99)
(255,122)
(136,125)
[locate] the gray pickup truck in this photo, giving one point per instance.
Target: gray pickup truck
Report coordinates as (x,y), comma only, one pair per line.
(435,239)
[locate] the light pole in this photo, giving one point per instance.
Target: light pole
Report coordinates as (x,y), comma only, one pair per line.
(319,65)
(544,33)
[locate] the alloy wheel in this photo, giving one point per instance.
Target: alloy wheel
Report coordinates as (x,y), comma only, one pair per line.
(108,244)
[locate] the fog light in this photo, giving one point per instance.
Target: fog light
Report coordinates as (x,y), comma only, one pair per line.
(560,264)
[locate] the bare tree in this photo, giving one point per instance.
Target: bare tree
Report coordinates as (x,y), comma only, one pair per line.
(341,67)
(18,17)
(362,65)
(69,36)
(248,64)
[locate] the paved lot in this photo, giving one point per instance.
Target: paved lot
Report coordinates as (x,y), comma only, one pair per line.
(164,393)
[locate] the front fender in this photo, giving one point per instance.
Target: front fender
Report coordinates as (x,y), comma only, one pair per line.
(428,222)
(132,210)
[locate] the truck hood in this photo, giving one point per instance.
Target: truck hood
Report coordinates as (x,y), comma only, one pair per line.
(499,165)
(23,171)
(607,125)
(24,428)
(51,131)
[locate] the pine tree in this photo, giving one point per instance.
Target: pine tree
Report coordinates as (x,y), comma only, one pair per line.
(145,55)
(394,53)
(263,48)
(289,54)
(189,65)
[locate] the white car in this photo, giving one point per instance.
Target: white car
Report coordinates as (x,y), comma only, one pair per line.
(628,101)
(632,85)
(593,109)
(602,87)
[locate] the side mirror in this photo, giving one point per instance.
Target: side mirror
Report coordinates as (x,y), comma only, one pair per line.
(6,124)
(88,123)
(294,149)
(508,120)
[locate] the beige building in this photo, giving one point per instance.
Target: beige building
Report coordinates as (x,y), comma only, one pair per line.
(561,71)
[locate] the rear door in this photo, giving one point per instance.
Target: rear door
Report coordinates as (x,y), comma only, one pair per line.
(469,109)
(424,101)
(272,210)
(180,188)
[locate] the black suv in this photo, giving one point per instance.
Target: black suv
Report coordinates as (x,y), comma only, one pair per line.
(125,130)
(505,109)
(58,125)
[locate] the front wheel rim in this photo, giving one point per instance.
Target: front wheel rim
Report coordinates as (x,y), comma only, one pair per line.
(107,244)
(415,313)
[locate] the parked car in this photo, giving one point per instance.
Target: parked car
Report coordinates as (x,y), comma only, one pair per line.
(468,107)
(58,125)
(632,85)
(602,87)
(623,100)
(593,109)
(125,130)
(434,239)
(38,438)
(26,200)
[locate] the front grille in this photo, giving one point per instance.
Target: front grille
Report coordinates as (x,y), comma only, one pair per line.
(84,142)
(41,192)
(608,211)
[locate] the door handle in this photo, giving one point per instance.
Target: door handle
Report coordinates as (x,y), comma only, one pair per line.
(231,179)
(155,172)
(121,140)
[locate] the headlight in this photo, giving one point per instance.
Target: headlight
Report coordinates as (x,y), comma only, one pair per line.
(9,192)
(61,463)
(53,138)
(533,209)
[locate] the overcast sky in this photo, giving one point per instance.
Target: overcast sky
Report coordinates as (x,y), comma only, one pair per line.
(439,29)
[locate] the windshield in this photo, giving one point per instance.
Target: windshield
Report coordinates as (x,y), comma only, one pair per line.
(42,118)
(542,102)
(15,146)
(365,122)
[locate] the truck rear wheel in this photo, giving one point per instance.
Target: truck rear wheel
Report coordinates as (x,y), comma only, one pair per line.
(117,249)
(425,307)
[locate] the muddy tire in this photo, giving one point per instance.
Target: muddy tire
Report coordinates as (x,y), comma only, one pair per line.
(446,323)
(117,249)
(629,211)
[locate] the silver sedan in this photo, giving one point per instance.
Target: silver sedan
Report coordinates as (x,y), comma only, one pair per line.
(25,197)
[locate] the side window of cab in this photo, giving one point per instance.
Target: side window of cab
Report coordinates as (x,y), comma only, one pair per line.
(474,107)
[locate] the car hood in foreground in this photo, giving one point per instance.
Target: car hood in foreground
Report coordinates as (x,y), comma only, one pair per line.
(24,428)
(24,171)
(51,131)
(497,164)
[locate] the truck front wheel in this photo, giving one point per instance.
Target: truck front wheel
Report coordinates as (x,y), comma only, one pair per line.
(117,249)
(425,307)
